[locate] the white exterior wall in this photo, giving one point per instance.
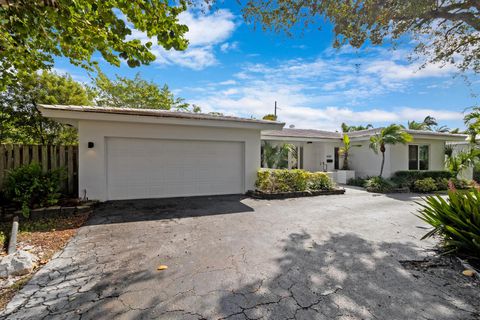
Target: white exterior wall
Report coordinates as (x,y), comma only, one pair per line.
(436,148)
(367,163)
(92,162)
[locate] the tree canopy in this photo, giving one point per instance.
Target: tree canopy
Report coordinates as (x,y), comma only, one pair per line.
(35,31)
(136,93)
(21,122)
(346,128)
(445,31)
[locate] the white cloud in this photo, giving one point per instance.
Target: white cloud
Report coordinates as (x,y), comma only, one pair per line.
(206,31)
(229,46)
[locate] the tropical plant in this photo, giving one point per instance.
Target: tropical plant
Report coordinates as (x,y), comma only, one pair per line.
(462,160)
(276,156)
(345,151)
(445,32)
(429,123)
(425,185)
(297,180)
(390,135)
(414,125)
(456,219)
(379,184)
(347,128)
(34,32)
(29,186)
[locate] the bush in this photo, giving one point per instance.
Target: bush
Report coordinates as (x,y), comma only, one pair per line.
(29,186)
(442,184)
(283,180)
(379,184)
(456,220)
(462,184)
(408,178)
(357,182)
(425,185)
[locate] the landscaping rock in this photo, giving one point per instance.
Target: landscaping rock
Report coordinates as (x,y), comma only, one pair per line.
(17,264)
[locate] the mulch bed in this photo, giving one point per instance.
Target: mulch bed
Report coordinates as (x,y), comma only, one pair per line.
(43,237)
(284,195)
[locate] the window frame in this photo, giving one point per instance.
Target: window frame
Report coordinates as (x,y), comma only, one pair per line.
(418,145)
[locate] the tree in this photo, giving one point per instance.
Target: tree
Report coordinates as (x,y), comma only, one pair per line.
(270,117)
(23,123)
(429,123)
(276,156)
(345,151)
(462,160)
(347,128)
(392,135)
(34,32)
(414,125)
(445,31)
(136,93)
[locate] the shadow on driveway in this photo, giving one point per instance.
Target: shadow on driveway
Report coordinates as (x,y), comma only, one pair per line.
(167,208)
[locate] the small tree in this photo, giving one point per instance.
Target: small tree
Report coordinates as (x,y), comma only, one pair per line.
(345,151)
(392,134)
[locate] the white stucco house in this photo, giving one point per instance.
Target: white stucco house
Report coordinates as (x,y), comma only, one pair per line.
(318,150)
(141,153)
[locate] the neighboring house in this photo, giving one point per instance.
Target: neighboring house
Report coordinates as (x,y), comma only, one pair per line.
(318,150)
(139,153)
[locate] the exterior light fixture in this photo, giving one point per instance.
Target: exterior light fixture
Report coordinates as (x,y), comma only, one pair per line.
(90,145)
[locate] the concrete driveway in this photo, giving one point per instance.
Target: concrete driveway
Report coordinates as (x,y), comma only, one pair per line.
(326,257)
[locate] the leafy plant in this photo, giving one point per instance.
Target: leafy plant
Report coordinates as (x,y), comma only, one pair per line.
(425,185)
(358,182)
(276,156)
(29,186)
(392,134)
(456,219)
(462,160)
(345,150)
(379,184)
(283,180)
(407,178)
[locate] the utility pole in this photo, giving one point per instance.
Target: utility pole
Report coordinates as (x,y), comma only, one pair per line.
(275,113)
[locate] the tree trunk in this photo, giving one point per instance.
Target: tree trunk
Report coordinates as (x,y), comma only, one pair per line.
(345,161)
(383,162)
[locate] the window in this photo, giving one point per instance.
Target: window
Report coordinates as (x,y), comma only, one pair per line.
(418,157)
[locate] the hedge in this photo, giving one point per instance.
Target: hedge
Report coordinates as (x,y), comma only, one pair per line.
(283,180)
(408,178)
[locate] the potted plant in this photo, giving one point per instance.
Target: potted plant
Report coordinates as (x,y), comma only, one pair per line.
(345,174)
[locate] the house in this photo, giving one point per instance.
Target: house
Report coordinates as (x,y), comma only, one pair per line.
(139,153)
(317,150)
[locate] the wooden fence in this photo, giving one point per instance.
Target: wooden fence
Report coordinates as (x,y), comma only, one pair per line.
(48,156)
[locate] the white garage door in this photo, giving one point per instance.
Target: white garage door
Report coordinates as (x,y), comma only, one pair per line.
(151,168)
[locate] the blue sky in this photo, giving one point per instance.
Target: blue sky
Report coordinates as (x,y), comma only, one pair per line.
(234,69)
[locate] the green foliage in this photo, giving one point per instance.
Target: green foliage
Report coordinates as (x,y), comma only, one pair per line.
(29,186)
(282,180)
(425,185)
(444,31)
(34,32)
(345,150)
(21,122)
(462,160)
(379,184)
(456,219)
(347,128)
(270,117)
(276,156)
(408,178)
(393,134)
(136,93)
(358,182)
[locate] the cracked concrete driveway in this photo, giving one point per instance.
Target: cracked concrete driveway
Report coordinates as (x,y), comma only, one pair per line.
(326,257)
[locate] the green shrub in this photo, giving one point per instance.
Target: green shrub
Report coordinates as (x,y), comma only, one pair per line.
(283,180)
(462,184)
(379,184)
(425,185)
(358,182)
(408,178)
(442,184)
(29,186)
(456,219)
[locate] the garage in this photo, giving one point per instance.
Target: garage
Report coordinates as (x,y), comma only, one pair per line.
(172,168)
(126,153)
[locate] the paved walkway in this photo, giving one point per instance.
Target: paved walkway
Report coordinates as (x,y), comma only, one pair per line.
(326,257)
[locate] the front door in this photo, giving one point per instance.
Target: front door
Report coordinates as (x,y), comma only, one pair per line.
(337,159)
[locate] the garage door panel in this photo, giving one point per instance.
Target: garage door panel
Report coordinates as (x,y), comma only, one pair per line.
(149,168)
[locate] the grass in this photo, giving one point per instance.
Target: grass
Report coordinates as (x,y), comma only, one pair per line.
(46,236)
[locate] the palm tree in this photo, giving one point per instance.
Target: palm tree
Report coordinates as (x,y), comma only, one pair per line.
(414,125)
(276,156)
(462,160)
(392,134)
(347,128)
(345,150)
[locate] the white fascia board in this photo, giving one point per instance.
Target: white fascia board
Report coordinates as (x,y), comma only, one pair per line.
(299,139)
(69,115)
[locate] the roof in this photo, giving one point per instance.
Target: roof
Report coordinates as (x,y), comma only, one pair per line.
(155,113)
(322,134)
